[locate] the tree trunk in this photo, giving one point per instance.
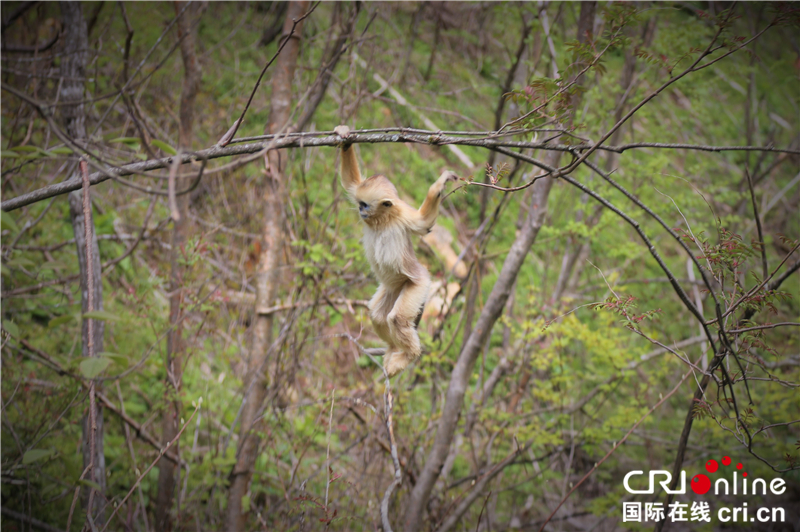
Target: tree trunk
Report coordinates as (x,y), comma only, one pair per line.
(454,399)
(74,116)
(266,277)
(462,371)
(167,470)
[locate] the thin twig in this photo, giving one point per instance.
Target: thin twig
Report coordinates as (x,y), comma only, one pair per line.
(87,230)
(41,525)
(75,499)
(398,473)
(760,327)
(764,269)
(328,453)
(567,86)
(138,68)
(755,288)
(614,447)
(225,140)
(480,515)
(692,68)
(129,442)
(173,203)
(388,401)
(144,474)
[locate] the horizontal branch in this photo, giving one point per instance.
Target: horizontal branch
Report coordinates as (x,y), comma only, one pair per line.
(320,139)
(249,300)
(770,326)
(694,147)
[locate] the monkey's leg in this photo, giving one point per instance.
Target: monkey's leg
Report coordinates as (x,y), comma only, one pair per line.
(380,306)
(402,327)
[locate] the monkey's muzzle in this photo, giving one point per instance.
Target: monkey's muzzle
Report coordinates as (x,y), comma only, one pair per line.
(363,210)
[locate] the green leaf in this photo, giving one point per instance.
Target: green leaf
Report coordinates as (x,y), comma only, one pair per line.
(8,154)
(7,222)
(89,483)
(101,315)
(20,261)
(166,148)
(49,489)
(34,455)
(118,359)
(61,320)
(130,141)
(11,328)
(54,265)
(61,151)
(92,367)
(26,149)
(223,461)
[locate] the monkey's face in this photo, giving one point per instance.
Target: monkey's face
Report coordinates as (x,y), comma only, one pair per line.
(377,201)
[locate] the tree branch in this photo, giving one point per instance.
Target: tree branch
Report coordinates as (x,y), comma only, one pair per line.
(303,140)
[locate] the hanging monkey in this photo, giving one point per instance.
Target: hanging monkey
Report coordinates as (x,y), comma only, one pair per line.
(389,223)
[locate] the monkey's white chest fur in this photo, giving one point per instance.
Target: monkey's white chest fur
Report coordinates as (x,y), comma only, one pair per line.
(389,252)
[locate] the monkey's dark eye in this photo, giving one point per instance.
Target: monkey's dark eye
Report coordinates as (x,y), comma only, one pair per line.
(387,203)
(362,205)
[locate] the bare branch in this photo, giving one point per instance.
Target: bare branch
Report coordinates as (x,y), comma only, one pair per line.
(107,403)
(398,473)
(761,327)
(41,525)
(144,473)
(235,127)
(295,140)
(764,268)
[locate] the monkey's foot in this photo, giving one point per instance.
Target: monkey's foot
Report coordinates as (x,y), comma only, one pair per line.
(395,363)
(342,131)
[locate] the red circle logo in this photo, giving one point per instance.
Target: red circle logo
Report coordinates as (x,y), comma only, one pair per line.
(700,484)
(712,466)
(726,460)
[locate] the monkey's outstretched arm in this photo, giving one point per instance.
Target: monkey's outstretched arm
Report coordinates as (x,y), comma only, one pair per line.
(350,173)
(429,210)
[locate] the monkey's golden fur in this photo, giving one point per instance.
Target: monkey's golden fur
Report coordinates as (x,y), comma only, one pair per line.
(388,225)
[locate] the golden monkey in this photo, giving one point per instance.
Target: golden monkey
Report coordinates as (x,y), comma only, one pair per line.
(388,225)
